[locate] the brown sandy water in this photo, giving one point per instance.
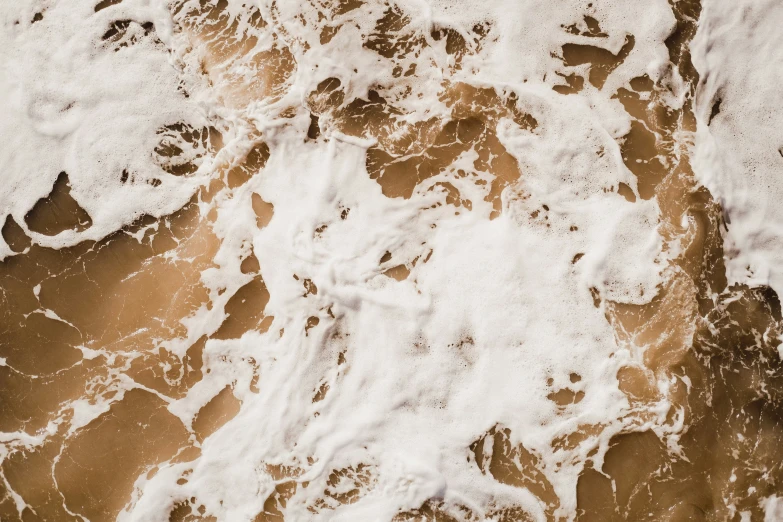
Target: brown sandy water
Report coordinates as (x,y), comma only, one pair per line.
(715,344)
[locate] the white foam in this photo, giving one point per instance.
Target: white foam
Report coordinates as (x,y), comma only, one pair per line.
(71,103)
(738,51)
(773,508)
(409,401)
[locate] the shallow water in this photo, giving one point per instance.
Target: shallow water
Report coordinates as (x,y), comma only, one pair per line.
(356,260)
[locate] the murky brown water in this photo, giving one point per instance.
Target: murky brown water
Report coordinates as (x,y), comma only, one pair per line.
(715,344)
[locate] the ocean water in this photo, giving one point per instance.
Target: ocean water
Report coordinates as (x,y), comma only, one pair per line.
(364,260)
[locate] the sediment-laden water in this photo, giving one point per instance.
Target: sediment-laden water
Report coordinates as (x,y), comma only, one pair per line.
(401,261)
